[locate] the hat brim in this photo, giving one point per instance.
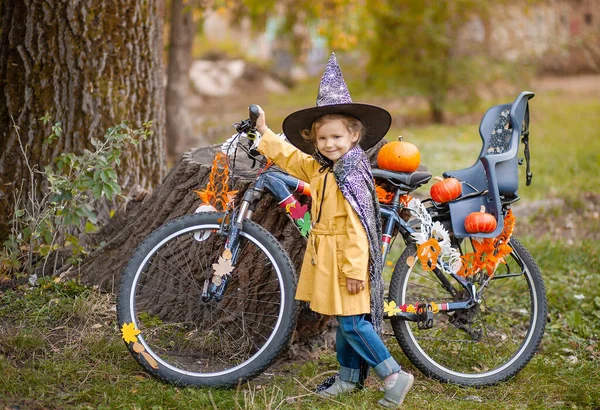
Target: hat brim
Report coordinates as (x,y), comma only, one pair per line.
(376,120)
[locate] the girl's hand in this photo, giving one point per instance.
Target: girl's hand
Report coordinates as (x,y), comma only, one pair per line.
(355,286)
(261,122)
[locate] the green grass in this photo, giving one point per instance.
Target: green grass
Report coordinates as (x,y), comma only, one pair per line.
(60,346)
(55,357)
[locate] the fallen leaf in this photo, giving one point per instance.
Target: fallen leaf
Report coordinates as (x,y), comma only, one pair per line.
(96,326)
(227,254)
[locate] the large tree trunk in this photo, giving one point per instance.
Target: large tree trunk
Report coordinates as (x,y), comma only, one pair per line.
(90,64)
(183,29)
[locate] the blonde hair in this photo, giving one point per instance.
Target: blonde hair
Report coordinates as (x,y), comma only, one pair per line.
(353,125)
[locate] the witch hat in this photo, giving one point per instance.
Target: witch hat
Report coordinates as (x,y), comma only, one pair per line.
(334,98)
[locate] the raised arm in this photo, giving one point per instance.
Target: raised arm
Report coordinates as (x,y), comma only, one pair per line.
(282,153)
(286,156)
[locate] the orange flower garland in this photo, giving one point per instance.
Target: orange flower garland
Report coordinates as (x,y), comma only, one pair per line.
(217,193)
(489,252)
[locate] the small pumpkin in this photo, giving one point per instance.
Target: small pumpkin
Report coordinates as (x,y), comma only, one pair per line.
(445,189)
(480,222)
(399,156)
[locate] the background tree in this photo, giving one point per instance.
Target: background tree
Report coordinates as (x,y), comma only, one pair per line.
(90,64)
(183,23)
(414,45)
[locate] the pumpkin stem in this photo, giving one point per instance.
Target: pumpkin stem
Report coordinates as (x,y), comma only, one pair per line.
(482,209)
(400,138)
(438,178)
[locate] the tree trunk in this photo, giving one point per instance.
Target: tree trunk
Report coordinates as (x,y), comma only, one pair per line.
(90,64)
(183,29)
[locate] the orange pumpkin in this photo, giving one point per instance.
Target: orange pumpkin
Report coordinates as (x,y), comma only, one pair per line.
(480,222)
(445,190)
(399,156)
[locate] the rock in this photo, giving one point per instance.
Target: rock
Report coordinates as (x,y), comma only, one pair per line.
(221,78)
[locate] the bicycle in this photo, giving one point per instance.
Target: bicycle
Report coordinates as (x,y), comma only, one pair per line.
(234,310)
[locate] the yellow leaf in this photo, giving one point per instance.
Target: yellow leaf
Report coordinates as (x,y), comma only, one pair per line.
(129,332)
(389,306)
(227,254)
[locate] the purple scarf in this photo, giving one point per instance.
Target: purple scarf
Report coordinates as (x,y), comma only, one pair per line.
(353,175)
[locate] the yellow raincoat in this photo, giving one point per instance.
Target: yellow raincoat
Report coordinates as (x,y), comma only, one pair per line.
(337,246)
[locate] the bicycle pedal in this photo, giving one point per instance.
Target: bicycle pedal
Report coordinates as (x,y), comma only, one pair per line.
(424,315)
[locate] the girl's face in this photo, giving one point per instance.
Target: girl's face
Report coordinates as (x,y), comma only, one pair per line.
(334,139)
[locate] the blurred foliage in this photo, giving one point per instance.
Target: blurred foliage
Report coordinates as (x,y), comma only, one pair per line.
(435,50)
(337,21)
(413,45)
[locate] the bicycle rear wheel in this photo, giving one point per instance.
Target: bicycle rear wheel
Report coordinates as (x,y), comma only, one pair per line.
(188,341)
(484,345)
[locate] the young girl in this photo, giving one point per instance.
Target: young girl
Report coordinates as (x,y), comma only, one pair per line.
(341,272)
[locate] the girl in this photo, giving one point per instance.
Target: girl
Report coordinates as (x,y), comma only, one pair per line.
(341,272)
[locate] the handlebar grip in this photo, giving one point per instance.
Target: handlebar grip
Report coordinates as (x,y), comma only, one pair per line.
(254,113)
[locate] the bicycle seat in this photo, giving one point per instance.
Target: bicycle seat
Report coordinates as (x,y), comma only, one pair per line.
(412,179)
(496,168)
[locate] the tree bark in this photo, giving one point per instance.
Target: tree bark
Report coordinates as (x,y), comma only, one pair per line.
(90,64)
(183,29)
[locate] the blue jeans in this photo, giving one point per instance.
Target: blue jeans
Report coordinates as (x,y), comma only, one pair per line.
(356,339)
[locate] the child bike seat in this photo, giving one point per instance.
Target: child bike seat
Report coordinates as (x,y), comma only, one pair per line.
(496,168)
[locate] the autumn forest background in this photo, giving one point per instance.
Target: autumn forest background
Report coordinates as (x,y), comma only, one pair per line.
(100,99)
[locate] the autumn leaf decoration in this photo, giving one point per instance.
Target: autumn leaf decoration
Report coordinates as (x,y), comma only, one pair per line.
(222,268)
(299,213)
(383,196)
(129,333)
(217,193)
(392,309)
(304,224)
(489,252)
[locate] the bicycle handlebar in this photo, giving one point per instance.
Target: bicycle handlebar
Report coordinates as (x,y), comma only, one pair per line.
(254,113)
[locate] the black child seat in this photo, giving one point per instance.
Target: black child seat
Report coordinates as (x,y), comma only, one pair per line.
(495,174)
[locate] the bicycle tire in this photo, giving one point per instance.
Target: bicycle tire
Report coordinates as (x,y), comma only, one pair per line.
(187,341)
(502,327)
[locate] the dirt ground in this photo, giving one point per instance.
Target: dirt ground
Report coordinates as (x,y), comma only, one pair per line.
(580,84)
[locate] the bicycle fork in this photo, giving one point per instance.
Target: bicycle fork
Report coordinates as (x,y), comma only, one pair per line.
(231,227)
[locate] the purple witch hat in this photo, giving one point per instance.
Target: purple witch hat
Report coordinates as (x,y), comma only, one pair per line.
(334,98)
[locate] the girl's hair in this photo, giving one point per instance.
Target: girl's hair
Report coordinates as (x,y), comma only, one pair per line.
(354,125)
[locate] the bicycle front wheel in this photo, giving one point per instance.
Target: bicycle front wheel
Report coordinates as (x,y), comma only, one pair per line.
(188,340)
(483,345)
